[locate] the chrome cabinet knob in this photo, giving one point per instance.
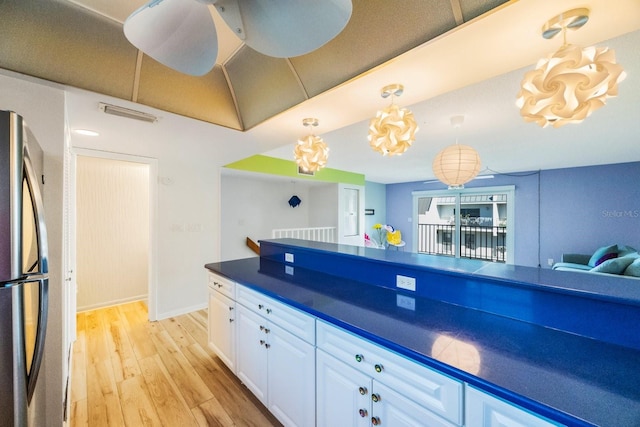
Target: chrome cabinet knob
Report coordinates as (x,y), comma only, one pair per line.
(378,368)
(375,397)
(363,412)
(375,421)
(362,390)
(359,358)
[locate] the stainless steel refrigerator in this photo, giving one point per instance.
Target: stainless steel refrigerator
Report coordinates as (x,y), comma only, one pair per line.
(23,274)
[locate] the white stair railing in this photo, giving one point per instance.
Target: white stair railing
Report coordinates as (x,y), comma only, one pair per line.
(318,234)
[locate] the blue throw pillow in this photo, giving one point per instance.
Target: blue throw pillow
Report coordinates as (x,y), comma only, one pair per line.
(633,269)
(613,266)
(603,254)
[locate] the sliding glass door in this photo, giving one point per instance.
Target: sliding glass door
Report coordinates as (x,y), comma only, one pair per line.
(472,223)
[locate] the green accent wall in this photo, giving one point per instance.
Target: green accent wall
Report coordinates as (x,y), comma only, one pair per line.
(276,166)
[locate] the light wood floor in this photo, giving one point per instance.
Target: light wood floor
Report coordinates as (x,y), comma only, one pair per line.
(128,371)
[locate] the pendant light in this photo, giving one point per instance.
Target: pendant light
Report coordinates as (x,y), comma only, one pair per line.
(393,129)
(311,152)
(457,164)
(570,84)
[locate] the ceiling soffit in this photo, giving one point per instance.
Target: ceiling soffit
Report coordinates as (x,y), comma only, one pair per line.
(263,86)
(207,98)
(59,41)
(62,43)
(378,31)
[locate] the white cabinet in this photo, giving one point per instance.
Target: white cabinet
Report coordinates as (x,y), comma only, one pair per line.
(485,410)
(222,335)
(346,380)
(401,392)
(343,393)
(348,397)
(400,411)
(276,356)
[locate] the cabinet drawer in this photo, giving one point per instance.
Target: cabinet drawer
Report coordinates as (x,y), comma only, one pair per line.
(485,410)
(222,285)
(294,321)
(427,387)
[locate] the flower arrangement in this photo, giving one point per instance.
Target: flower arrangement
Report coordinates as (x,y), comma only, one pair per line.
(380,240)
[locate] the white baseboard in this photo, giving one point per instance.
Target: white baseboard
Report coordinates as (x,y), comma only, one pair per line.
(111,303)
(181,311)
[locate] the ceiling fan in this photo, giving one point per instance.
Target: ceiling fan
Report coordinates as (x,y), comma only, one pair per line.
(181,34)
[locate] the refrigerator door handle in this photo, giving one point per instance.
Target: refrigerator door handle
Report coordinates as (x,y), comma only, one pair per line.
(41,332)
(36,197)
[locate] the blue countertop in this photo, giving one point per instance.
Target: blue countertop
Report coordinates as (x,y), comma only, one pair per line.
(563,376)
(600,286)
(604,307)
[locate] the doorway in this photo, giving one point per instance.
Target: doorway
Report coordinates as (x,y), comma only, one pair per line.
(114,206)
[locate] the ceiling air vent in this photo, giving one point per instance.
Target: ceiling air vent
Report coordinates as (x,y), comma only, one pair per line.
(127,112)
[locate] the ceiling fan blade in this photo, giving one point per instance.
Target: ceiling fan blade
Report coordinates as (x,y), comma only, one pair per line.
(287,28)
(180,34)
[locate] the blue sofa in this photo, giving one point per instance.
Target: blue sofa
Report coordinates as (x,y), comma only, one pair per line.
(613,259)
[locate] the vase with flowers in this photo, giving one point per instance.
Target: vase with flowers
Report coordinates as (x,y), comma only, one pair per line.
(379,237)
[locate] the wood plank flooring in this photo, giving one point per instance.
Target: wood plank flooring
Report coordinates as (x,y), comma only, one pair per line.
(127,371)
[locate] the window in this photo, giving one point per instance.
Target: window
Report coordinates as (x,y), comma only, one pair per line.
(472,223)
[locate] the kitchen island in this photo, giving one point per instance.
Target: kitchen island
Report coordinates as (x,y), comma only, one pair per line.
(554,345)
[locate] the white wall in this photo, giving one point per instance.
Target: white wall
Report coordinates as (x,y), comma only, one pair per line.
(376,199)
(254,205)
(112,205)
(324,206)
(43,108)
(189,156)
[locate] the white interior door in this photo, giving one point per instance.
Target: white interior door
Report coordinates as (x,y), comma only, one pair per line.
(351,214)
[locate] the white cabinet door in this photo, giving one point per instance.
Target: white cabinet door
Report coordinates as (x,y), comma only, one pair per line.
(485,410)
(343,393)
(391,408)
(438,393)
(291,367)
(251,356)
(277,366)
(222,328)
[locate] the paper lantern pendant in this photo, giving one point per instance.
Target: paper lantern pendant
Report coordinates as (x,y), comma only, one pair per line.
(310,152)
(393,129)
(456,164)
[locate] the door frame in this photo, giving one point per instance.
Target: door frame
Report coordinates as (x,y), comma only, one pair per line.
(152,300)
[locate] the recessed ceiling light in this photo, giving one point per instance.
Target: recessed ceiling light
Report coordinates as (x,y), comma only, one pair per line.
(86,132)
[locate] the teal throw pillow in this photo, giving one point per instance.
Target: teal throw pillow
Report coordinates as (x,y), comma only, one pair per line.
(613,266)
(626,250)
(603,254)
(633,269)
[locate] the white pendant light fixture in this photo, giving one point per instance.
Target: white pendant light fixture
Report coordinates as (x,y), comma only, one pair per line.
(570,84)
(311,152)
(393,129)
(456,164)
